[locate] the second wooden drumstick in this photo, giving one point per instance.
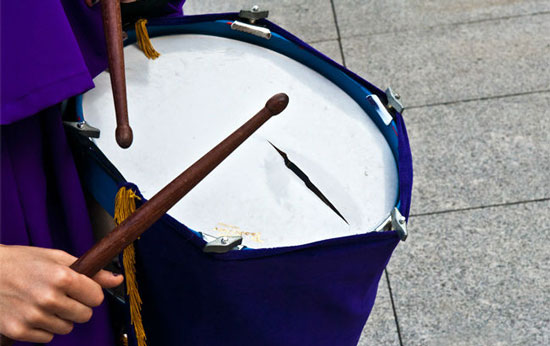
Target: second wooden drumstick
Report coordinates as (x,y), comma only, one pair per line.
(113,37)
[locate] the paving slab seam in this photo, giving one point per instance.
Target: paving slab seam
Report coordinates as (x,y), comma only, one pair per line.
(393,308)
(341,49)
(431,27)
(322,41)
(484,283)
(485,98)
(339,37)
(396,320)
(481,207)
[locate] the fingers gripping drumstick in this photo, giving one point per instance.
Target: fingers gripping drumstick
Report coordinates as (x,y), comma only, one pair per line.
(129,230)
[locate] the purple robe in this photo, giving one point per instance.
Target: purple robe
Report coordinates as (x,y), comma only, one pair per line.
(50,51)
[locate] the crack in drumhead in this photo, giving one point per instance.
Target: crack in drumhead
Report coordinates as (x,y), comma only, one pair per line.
(309,184)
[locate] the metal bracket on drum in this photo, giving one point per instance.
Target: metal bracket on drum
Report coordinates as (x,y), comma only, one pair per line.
(221,244)
(251,29)
(395,222)
(252,16)
(83,128)
(393,100)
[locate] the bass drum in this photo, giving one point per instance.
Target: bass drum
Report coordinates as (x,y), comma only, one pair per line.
(306,191)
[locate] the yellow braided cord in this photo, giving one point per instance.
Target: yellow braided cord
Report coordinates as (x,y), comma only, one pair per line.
(143,40)
(125,205)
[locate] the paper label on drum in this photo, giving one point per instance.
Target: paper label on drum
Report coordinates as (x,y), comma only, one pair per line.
(184,103)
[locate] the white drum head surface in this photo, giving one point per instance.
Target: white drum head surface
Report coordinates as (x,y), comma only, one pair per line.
(199,91)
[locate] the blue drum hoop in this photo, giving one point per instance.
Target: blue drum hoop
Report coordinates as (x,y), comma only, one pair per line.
(103,179)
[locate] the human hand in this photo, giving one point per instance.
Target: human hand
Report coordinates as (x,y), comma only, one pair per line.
(41,296)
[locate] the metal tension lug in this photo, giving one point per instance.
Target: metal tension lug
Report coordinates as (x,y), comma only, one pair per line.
(395,222)
(399,224)
(251,16)
(83,128)
(222,244)
(393,100)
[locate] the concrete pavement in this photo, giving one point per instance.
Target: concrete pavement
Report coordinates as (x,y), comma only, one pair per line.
(476,78)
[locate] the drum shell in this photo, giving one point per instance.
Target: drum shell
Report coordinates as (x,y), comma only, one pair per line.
(315,294)
(319,293)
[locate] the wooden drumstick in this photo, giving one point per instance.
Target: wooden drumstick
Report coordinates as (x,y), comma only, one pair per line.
(112,25)
(124,234)
(129,230)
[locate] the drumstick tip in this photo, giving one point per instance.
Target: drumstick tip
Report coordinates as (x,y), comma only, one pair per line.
(124,136)
(277,103)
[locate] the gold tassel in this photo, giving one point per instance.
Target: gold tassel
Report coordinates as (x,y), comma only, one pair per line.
(124,339)
(143,40)
(125,205)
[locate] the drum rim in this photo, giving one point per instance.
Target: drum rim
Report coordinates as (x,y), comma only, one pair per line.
(193,25)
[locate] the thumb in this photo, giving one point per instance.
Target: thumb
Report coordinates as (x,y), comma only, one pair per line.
(107,279)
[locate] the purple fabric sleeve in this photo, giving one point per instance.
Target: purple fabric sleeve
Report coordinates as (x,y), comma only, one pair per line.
(41,60)
(49,52)
(43,205)
(87,28)
(174,8)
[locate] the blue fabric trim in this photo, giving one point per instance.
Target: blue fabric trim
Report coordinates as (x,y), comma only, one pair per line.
(79,111)
(405,168)
(100,177)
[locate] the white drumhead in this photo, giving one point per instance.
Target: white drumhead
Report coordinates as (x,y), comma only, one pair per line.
(200,90)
